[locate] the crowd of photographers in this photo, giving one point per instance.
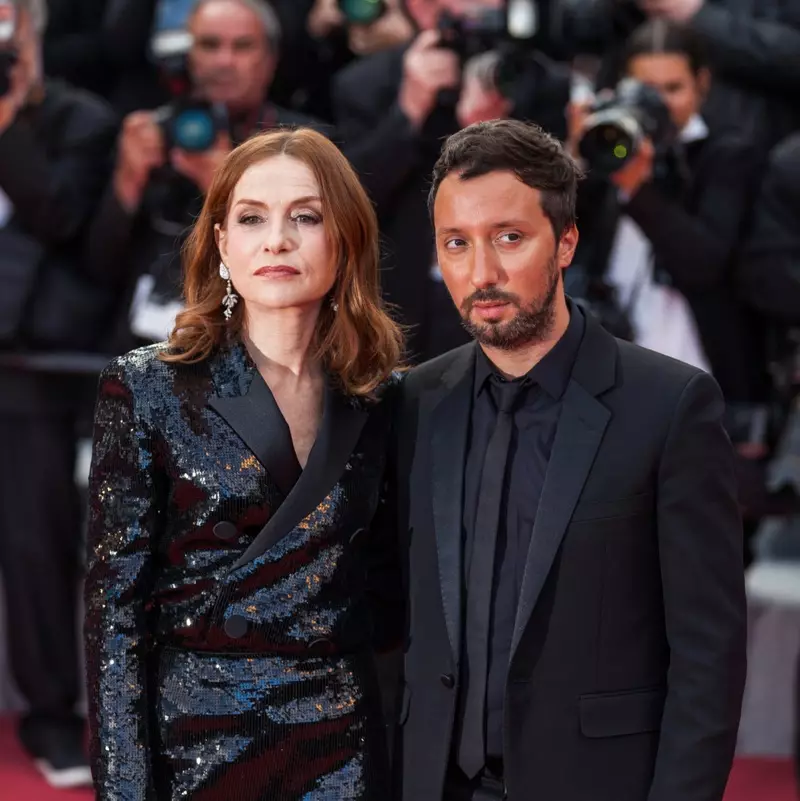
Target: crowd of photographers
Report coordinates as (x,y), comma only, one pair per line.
(114,115)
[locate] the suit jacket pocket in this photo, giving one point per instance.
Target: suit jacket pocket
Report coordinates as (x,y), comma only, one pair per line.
(615,507)
(621,713)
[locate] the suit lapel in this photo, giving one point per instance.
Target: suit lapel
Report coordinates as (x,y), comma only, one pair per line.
(256,418)
(581,426)
(450,428)
(341,427)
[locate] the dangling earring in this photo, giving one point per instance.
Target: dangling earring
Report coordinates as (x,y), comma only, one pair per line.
(231,298)
(334,305)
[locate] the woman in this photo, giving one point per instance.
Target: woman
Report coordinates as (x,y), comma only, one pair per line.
(236,472)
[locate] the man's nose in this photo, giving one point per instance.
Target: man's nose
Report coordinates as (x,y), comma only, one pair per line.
(485,267)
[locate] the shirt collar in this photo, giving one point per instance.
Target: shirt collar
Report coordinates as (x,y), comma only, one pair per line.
(552,373)
(694,131)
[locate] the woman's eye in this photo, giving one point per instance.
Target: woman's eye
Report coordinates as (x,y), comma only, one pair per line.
(249,219)
(306,219)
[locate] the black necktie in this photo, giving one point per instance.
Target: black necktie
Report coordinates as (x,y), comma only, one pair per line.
(472,747)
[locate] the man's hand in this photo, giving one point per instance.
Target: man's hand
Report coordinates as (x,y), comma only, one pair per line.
(427,70)
(675,10)
(202,167)
(637,172)
(324,18)
(141,150)
(14,99)
(479,102)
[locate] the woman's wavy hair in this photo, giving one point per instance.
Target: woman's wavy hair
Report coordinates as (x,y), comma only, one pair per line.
(358,342)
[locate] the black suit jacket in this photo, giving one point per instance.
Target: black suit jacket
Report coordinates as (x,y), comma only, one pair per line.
(628,657)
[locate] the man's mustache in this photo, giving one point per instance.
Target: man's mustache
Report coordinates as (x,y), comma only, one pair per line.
(489,295)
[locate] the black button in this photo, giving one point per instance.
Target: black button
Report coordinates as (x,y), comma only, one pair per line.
(235,627)
(449,680)
(356,534)
(225,530)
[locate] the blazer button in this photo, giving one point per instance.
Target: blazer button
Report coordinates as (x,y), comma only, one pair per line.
(225,530)
(356,535)
(449,680)
(235,627)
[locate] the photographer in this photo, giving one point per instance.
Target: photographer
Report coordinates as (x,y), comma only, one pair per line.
(166,159)
(54,142)
(663,229)
(392,110)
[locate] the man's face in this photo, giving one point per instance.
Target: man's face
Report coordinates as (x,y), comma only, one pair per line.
(499,258)
(230,60)
(26,72)
(426,12)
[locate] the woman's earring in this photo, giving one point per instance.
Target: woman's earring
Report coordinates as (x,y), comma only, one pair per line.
(231,298)
(334,305)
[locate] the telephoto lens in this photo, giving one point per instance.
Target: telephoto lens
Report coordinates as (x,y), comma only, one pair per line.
(362,12)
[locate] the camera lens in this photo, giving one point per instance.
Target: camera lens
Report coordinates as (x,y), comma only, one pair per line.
(362,12)
(607,147)
(194,130)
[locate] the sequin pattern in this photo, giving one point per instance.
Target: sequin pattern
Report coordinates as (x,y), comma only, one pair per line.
(208,680)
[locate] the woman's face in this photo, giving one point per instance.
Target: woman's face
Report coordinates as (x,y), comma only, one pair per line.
(274,241)
(671,74)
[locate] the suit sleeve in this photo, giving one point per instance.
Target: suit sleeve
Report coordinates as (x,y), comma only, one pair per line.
(701,551)
(123,516)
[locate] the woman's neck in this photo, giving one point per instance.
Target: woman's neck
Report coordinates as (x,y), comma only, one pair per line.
(280,343)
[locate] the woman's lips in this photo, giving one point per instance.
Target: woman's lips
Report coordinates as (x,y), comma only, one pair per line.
(277,271)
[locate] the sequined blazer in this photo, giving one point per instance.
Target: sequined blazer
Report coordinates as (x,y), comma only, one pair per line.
(219,575)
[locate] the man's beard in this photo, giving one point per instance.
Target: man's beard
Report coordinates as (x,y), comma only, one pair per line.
(531,324)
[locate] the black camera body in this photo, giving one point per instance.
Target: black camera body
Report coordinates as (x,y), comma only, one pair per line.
(188,122)
(618,124)
(8,53)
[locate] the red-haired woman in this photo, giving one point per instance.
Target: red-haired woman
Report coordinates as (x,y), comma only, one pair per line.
(236,473)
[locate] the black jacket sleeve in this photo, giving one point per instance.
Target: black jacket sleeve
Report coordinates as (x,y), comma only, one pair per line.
(700,546)
(751,50)
(54,189)
(376,136)
(696,245)
(770,268)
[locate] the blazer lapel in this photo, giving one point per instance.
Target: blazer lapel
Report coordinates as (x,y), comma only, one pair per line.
(342,423)
(256,418)
(450,427)
(580,430)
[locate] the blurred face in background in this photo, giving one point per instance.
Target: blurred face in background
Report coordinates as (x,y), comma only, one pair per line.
(26,74)
(231,60)
(425,13)
(671,74)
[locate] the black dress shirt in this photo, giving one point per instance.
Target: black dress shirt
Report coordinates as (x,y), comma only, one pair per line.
(535,417)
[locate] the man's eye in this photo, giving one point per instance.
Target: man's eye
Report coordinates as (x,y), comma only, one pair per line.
(455,243)
(511,237)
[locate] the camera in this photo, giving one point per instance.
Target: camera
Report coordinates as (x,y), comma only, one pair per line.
(189,122)
(618,124)
(362,12)
(8,53)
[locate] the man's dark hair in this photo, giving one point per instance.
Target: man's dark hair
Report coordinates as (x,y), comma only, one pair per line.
(534,156)
(661,37)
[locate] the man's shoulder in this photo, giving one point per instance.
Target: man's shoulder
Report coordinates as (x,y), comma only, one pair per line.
(429,374)
(371,73)
(64,101)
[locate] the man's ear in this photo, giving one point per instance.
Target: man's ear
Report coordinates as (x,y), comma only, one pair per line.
(566,247)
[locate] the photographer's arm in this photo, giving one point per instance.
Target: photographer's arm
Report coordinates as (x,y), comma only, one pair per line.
(696,247)
(53,197)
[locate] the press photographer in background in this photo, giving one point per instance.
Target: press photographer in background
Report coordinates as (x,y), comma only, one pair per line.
(54,145)
(468,60)
(663,213)
(166,158)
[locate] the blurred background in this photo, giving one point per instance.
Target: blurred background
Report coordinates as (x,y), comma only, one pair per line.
(114,115)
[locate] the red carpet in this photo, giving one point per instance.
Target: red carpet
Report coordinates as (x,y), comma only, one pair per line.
(752,780)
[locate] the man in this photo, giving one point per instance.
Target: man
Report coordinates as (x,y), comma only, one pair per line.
(577,611)
(392,110)
(54,143)
(157,187)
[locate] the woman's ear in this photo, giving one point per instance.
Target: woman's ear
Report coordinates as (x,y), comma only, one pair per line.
(220,238)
